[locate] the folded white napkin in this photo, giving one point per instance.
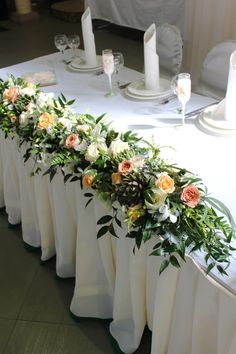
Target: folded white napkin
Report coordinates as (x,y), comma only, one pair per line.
(88,37)
(230,99)
(151,59)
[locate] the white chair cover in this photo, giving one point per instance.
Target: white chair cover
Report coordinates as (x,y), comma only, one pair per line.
(215,69)
(169,49)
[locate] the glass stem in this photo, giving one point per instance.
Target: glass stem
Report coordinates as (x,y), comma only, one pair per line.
(183,113)
(110,83)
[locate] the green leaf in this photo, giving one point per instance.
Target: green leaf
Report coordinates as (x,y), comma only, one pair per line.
(74,179)
(209,268)
(88,202)
(118,222)
(88,195)
(174,261)
(131,234)
(102,231)
(164,265)
(112,230)
(221,270)
(104,219)
(66,177)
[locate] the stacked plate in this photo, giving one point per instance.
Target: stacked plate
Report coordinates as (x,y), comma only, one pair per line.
(79,64)
(213,120)
(138,91)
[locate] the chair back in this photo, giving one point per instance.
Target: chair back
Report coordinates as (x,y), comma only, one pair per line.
(215,70)
(169,49)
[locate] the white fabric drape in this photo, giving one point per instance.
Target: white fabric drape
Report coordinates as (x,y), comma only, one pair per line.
(207,22)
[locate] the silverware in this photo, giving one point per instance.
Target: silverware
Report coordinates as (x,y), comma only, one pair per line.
(199,110)
(67,61)
(122,86)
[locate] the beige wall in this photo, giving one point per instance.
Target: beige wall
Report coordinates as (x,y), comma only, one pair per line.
(207,22)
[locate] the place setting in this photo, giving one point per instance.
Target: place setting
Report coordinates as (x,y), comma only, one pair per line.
(89,61)
(152,86)
(220,119)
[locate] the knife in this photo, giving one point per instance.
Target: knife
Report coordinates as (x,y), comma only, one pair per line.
(199,110)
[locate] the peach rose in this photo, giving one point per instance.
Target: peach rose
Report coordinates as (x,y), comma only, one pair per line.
(135,212)
(125,167)
(116,178)
(11,94)
(88,180)
(165,183)
(72,141)
(46,120)
(190,196)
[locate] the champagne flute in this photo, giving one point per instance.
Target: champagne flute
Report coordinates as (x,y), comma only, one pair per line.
(60,41)
(108,67)
(119,63)
(73,43)
(181,85)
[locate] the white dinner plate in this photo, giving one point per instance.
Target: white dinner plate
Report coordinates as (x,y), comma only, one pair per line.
(212,120)
(157,97)
(137,88)
(79,64)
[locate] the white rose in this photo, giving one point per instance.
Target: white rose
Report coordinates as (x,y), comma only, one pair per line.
(117,146)
(158,200)
(65,122)
(82,128)
(93,150)
(29,91)
(45,99)
(24,119)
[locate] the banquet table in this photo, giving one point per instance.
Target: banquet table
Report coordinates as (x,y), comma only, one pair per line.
(187,311)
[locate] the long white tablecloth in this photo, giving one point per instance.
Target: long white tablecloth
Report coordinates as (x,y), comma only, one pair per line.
(187,312)
(139,14)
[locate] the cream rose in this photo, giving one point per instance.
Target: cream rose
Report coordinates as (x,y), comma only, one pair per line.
(29,91)
(154,199)
(24,118)
(93,151)
(82,128)
(117,146)
(46,120)
(165,183)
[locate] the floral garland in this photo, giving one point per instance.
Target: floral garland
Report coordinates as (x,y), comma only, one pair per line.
(156,198)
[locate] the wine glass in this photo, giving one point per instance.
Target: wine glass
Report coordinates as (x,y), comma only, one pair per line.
(73,43)
(108,67)
(119,64)
(60,41)
(181,85)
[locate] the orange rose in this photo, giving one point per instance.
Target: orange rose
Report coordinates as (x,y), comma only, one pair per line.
(116,178)
(11,94)
(190,196)
(88,180)
(165,183)
(135,212)
(125,167)
(46,120)
(72,141)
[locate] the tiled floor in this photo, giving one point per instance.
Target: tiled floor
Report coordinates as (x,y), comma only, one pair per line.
(34,304)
